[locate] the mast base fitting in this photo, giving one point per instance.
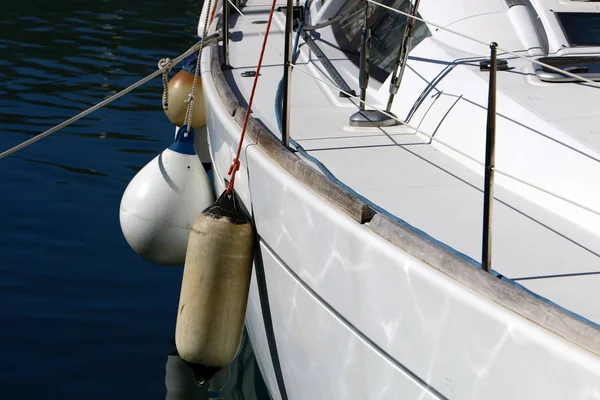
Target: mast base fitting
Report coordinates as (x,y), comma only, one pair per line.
(371,119)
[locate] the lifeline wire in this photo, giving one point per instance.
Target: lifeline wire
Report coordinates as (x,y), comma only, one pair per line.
(533,60)
(432,138)
(236,161)
(382,211)
(108,100)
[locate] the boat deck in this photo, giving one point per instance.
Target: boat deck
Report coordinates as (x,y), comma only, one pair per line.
(413,179)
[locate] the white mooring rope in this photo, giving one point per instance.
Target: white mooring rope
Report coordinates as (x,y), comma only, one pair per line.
(189,113)
(165,65)
(191,50)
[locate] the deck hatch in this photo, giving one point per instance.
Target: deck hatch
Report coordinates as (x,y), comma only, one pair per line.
(586,66)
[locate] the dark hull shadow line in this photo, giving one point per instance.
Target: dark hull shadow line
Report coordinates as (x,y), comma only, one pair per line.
(433,392)
(261,281)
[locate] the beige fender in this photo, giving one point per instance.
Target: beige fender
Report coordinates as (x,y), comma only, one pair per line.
(214,290)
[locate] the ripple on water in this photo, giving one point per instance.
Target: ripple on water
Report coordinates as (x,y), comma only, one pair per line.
(83,315)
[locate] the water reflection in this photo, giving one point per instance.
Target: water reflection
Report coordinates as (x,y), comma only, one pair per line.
(69,279)
(180,382)
(240,381)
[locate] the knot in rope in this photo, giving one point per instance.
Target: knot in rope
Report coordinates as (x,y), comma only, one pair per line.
(190,99)
(165,65)
(234,166)
(162,64)
(190,109)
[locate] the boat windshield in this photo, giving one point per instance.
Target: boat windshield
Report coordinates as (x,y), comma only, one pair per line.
(581,29)
(386,36)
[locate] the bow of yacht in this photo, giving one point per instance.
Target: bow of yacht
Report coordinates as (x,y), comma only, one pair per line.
(370,281)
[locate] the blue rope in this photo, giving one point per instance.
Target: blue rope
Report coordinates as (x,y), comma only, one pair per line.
(279,91)
(381,210)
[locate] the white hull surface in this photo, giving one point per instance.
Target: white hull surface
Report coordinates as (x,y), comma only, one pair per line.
(342,308)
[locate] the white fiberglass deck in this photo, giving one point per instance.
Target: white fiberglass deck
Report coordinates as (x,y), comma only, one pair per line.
(402,172)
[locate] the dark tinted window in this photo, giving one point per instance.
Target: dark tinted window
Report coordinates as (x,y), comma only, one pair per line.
(586,66)
(581,29)
(386,36)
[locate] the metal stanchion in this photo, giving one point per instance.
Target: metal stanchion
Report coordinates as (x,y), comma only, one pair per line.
(490,155)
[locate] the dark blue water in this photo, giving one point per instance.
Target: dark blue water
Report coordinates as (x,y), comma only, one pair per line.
(81,315)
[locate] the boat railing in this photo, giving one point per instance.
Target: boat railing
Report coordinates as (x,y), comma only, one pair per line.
(489,164)
(490,143)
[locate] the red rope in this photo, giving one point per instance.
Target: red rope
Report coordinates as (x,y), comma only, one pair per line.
(212,14)
(235,166)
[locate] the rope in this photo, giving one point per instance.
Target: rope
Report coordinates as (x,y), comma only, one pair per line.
(106,101)
(500,49)
(330,175)
(235,166)
(189,113)
(212,14)
(383,211)
(165,65)
(275,49)
(416,129)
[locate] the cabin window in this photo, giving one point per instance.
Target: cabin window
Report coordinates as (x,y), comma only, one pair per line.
(581,29)
(386,36)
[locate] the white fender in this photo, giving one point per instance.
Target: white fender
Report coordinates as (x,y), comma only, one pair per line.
(162,201)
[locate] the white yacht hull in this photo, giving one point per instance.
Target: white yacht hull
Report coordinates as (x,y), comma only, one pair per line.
(336,311)
(356,317)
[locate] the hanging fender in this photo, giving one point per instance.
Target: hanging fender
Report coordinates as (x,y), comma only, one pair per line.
(161,202)
(214,289)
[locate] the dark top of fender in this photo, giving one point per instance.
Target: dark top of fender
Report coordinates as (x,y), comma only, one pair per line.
(227,205)
(184,144)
